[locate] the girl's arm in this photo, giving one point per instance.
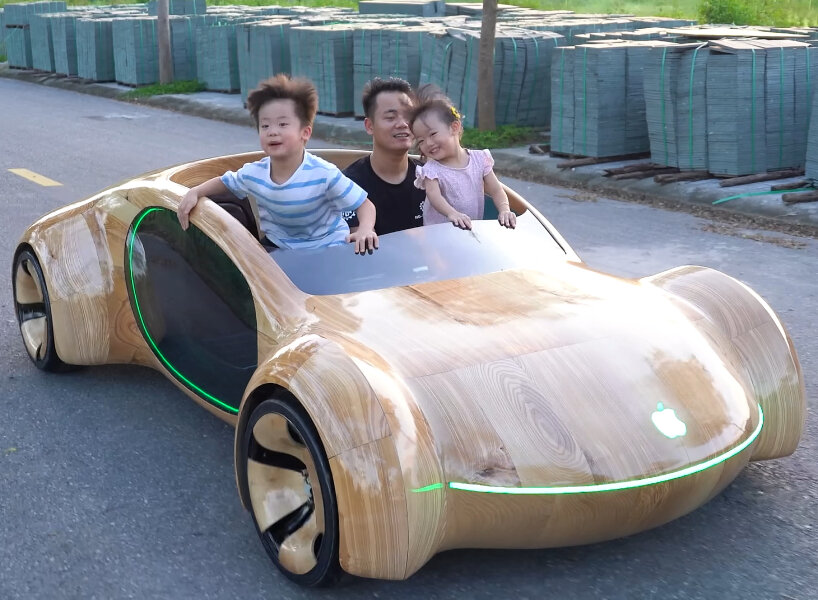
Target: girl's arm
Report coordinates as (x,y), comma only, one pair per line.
(433,195)
(498,195)
(188,203)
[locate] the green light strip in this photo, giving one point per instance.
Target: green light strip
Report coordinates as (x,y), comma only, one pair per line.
(605,487)
(429,488)
(144,327)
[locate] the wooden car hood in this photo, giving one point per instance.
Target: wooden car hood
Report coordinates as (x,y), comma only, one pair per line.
(548,377)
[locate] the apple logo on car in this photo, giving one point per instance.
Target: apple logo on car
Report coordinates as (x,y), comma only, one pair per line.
(667,422)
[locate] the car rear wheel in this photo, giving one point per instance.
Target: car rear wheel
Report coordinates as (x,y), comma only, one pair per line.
(33,309)
(285,472)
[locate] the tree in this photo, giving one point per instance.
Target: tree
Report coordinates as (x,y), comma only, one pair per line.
(163,33)
(485,68)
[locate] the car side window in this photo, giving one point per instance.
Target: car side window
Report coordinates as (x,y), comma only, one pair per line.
(193,306)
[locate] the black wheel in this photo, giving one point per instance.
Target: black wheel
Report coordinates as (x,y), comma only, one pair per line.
(285,472)
(33,309)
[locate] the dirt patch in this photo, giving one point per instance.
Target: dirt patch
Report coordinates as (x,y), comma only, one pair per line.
(741,232)
(580,197)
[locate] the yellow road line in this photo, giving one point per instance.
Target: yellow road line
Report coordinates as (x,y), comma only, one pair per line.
(35,177)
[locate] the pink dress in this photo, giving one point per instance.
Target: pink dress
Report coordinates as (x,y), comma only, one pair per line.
(462,188)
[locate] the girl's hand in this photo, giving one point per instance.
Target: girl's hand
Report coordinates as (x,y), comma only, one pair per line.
(459,219)
(507,218)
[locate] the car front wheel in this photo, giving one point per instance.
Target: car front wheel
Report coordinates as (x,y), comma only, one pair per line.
(285,472)
(33,309)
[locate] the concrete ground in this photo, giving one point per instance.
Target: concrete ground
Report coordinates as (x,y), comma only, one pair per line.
(751,203)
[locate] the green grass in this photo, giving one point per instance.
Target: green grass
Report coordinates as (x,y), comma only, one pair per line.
(157,89)
(502,137)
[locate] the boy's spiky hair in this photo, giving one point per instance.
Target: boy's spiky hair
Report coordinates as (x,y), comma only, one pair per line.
(283,87)
(376,86)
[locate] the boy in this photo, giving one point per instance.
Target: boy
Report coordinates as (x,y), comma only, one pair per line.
(300,197)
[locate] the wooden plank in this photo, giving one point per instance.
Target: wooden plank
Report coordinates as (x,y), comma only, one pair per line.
(645,174)
(798,198)
(782,187)
(630,168)
(666,178)
(758,177)
(591,160)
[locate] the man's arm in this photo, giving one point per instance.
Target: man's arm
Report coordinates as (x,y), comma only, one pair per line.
(188,203)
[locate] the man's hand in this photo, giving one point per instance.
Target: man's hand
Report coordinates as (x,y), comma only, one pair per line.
(459,219)
(507,218)
(365,240)
(187,204)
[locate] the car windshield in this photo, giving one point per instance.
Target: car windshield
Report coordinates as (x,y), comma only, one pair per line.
(421,255)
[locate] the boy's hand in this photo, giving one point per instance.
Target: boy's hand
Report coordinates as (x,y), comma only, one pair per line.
(508,219)
(187,204)
(365,240)
(459,219)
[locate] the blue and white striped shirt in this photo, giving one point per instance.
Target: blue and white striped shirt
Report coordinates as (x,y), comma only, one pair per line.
(305,211)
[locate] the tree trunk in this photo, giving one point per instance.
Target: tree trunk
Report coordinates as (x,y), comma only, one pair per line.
(485,68)
(163,32)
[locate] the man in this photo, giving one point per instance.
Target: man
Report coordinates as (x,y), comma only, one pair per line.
(388,174)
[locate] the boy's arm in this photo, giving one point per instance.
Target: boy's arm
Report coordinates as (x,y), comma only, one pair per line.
(364,237)
(498,195)
(188,203)
(438,202)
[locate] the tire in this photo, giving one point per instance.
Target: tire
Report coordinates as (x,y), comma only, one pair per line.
(33,309)
(284,471)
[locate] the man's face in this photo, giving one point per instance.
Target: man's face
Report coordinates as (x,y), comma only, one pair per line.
(388,126)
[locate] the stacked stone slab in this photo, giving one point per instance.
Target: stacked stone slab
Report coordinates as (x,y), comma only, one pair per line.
(183,43)
(419,8)
(786,102)
(598,106)
(180,7)
(676,105)
(42,42)
(386,51)
(521,72)
(216,57)
(812,142)
(95,49)
(562,100)
(263,50)
(64,36)
(731,107)
(2,30)
(323,53)
(17,25)
(736,128)
(136,55)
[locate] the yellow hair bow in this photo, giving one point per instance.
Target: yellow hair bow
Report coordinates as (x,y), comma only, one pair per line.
(455,113)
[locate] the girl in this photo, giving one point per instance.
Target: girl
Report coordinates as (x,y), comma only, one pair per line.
(455,179)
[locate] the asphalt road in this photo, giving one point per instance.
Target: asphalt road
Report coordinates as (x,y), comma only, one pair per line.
(115,485)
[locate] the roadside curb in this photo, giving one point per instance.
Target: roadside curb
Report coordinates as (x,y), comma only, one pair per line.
(753,199)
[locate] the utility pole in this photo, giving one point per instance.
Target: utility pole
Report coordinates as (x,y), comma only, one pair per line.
(163,26)
(485,68)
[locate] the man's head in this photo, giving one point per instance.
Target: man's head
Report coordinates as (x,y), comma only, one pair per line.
(386,104)
(283,110)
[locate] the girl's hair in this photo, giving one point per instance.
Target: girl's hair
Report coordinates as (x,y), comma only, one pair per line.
(282,87)
(431,99)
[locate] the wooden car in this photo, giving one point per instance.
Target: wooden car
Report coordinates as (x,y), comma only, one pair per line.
(455,389)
